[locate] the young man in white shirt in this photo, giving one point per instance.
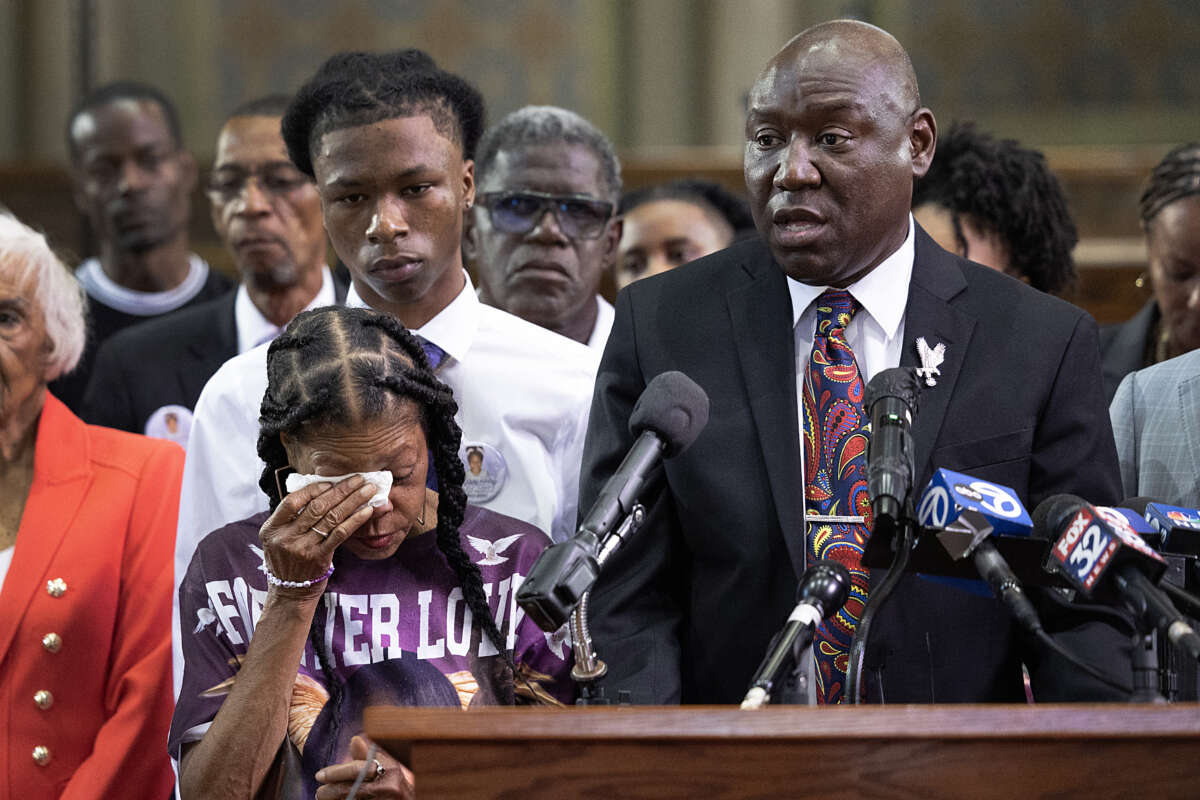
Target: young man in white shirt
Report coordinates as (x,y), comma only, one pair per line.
(390,147)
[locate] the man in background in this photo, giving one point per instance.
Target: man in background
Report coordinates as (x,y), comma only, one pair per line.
(147,378)
(133,181)
(544,233)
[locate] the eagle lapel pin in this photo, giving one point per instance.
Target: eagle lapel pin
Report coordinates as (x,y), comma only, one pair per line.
(931,359)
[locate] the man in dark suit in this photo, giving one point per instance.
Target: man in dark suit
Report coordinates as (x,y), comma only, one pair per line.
(683,613)
(268,215)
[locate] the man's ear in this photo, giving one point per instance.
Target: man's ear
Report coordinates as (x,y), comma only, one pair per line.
(470,245)
(922,139)
(468,182)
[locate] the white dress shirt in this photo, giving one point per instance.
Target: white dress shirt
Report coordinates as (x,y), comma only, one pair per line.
(876,333)
(254,329)
(605,316)
(521,390)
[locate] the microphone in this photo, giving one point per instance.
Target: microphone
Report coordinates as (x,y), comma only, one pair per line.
(666,419)
(1175,533)
(1178,527)
(891,402)
(823,589)
(965,512)
(1108,562)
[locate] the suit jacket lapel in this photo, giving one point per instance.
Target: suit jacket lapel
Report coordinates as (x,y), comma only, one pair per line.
(61,477)
(760,310)
(936,280)
(210,353)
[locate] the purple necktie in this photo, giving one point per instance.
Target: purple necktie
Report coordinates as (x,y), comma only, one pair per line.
(435,355)
(836,432)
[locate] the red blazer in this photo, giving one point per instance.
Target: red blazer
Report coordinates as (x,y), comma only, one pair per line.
(85,671)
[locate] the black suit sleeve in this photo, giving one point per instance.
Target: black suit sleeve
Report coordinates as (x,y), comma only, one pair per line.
(1074,452)
(635,607)
(1073,445)
(106,400)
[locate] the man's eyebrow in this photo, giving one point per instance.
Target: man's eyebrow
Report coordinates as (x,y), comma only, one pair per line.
(265,165)
(343,181)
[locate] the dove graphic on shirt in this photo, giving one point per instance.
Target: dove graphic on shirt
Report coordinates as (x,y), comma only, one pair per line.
(206,617)
(491,551)
(555,642)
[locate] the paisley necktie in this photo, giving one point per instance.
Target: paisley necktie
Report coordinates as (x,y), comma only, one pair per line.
(836,432)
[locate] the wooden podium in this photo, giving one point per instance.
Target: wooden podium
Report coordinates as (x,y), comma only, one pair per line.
(1077,751)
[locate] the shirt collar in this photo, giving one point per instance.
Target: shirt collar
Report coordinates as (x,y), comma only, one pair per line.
(882,292)
(453,328)
(254,329)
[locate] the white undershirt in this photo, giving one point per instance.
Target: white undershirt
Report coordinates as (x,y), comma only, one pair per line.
(105,290)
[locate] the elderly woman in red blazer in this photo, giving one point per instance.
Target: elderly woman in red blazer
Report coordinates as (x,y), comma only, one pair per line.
(87,527)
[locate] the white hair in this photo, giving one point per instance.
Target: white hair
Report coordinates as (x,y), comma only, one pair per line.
(25,254)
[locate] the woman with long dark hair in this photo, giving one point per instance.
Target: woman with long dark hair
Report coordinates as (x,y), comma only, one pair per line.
(355,590)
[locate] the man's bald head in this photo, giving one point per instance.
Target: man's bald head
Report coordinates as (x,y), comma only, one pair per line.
(850,38)
(834,137)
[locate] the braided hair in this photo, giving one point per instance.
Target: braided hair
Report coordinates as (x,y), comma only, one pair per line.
(338,364)
(1175,177)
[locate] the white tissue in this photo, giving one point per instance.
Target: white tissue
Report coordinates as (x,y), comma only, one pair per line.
(382,481)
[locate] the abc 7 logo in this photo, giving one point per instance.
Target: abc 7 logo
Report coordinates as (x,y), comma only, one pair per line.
(935,506)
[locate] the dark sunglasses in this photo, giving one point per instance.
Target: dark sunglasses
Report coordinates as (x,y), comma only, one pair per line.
(228,183)
(519,212)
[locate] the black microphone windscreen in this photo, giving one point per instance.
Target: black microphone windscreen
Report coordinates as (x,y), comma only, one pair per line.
(1137,504)
(673,406)
(901,382)
(1050,514)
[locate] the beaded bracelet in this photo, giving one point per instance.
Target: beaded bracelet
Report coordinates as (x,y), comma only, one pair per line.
(276,581)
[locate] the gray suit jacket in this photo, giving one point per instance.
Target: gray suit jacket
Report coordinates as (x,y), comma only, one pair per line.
(1156,421)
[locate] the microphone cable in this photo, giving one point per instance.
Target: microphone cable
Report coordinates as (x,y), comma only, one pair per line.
(858,645)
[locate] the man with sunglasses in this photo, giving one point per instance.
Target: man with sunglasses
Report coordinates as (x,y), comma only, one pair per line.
(147,378)
(544,232)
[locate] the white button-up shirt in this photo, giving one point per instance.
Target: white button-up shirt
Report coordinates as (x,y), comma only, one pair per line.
(254,329)
(876,333)
(606,315)
(521,390)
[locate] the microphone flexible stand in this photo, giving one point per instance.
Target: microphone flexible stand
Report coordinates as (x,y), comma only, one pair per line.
(902,547)
(588,667)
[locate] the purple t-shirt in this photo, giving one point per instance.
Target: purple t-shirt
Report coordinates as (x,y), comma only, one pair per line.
(397,630)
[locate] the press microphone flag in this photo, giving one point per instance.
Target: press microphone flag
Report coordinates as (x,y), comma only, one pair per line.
(1178,526)
(1111,562)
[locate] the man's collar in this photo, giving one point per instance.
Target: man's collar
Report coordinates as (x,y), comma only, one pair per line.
(453,328)
(883,291)
(253,328)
